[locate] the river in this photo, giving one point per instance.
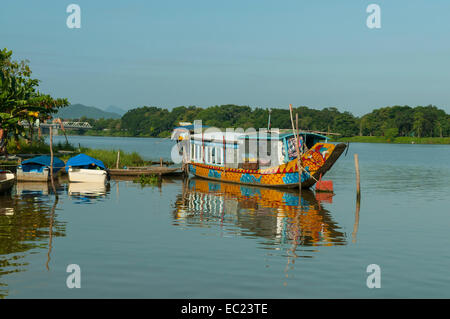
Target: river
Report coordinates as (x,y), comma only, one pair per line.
(200,239)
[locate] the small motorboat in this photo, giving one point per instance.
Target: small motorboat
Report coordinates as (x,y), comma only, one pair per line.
(37,169)
(6,181)
(83,168)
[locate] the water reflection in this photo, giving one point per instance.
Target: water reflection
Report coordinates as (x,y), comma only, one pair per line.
(27,220)
(32,188)
(88,193)
(273,214)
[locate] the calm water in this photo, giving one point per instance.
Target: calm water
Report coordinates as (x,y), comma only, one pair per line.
(200,239)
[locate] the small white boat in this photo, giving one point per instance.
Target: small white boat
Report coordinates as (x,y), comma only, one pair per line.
(6,181)
(83,168)
(37,169)
(77,175)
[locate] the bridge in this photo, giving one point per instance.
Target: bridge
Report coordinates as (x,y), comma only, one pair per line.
(65,124)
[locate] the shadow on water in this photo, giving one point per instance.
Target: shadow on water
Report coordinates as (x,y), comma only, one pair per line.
(27,222)
(274,215)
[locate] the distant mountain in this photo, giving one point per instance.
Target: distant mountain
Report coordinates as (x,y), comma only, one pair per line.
(76,111)
(115,109)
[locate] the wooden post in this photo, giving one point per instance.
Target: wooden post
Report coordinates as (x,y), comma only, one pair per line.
(118,159)
(358,186)
(160,162)
(299,160)
(356,224)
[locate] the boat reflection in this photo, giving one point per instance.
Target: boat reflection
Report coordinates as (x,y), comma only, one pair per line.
(32,188)
(89,192)
(273,214)
(26,224)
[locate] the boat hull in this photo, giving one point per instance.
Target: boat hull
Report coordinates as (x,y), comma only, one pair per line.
(6,182)
(316,162)
(81,175)
(43,176)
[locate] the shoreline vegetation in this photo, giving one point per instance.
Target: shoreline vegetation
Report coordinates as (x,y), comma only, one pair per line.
(395,140)
(398,124)
(350,139)
(64,151)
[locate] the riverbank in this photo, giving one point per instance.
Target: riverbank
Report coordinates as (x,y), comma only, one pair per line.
(64,151)
(395,140)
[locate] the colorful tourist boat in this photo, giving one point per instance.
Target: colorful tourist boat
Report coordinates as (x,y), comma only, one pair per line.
(37,169)
(83,168)
(261,158)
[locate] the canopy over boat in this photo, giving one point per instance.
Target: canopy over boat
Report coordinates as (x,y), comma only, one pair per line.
(84,161)
(36,164)
(183,131)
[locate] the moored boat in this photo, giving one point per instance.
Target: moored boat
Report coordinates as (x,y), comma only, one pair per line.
(267,158)
(83,168)
(37,169)
(6,181)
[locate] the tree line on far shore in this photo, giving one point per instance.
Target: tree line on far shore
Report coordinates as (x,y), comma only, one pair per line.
(391,121)
(21,102)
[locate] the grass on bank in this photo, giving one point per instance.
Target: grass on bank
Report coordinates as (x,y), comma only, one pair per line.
(108,157)
(394,140)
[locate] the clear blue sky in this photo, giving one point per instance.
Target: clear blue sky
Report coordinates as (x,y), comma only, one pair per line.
(257,53)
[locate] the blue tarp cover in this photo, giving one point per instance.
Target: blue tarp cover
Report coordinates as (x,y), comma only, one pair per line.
(83,161)
(39,162)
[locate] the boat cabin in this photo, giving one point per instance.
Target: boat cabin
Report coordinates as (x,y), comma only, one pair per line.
(248,150)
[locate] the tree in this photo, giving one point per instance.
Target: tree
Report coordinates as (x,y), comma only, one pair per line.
(20,100)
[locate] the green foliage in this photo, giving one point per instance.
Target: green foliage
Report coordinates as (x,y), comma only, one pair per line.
(389,122)
(396,140)
(20,100)
(147,180)
(390,133)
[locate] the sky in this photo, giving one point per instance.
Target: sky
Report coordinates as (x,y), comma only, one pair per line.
(246,52)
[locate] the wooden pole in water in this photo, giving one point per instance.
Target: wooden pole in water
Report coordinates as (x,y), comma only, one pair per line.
(118,159)
(160,162)
(358,186)
(356,224)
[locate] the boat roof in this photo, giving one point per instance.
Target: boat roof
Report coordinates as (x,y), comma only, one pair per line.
(44,160)
(83,160)
(234,136)
(280,136)
(190,127)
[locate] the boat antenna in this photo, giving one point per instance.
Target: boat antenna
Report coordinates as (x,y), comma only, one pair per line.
(268,121)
